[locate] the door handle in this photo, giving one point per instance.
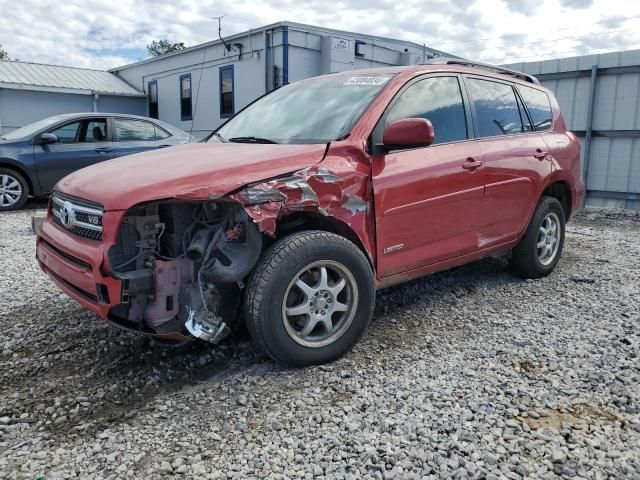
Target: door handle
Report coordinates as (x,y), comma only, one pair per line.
(471,164)
(540,155)
(104,149)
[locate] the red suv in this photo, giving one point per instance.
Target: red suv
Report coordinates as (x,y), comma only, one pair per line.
(296,210)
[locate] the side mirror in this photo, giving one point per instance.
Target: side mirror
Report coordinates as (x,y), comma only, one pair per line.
(47,139)
(408,132)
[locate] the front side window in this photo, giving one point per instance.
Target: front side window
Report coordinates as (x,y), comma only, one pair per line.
(134,130)
(69,133)
(315,110)
(496,108)
(82,131)
(185,97)
(153,99)
(539,107)
(227,108)
(439,100)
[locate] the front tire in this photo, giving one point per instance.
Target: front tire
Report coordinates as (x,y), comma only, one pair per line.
(310,298)
(539,250)
(14,190)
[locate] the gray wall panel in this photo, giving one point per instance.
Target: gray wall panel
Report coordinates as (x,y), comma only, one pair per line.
(614,164)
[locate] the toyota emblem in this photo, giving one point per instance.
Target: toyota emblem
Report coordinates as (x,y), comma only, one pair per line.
(67,215)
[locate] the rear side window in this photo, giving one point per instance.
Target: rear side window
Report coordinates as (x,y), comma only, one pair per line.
(496,108)
(437,99)
(134,130)
(539,107)
(96,131)
(161,134)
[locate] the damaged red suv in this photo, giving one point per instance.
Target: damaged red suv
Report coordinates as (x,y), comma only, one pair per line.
(295,211)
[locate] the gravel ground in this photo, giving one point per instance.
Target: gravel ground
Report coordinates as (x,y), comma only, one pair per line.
(470,373)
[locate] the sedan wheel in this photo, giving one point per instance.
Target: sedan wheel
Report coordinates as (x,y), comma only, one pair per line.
(10,191)
(13,190)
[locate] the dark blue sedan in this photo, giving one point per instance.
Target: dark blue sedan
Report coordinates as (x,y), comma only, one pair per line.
(33,158)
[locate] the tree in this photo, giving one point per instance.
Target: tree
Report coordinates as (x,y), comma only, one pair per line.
(3,55)
(162,47)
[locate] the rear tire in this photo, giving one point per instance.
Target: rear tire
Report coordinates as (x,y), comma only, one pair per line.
(310,298)
(539,250)
(14,190)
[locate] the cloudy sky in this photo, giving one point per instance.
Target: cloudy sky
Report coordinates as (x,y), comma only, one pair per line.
(109,33)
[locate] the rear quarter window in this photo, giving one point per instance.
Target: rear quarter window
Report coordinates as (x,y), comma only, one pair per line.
(539,107)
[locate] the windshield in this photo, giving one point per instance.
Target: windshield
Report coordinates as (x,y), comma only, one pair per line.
(316,110)
(31,129)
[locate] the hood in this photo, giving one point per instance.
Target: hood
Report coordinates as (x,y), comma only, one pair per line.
(192,172)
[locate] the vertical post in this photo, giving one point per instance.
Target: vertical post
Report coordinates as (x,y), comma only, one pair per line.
(95,101)
(285,55)
(0,111)
(589,132)
(267,60)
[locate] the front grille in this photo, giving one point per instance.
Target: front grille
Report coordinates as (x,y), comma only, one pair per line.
(78,217)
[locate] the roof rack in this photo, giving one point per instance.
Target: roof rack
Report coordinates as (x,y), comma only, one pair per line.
(487,66)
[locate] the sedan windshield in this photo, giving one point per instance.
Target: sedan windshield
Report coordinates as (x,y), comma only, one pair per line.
(316,110)
(31,129)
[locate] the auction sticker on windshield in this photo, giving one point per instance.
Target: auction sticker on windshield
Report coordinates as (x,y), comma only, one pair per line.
(373,81)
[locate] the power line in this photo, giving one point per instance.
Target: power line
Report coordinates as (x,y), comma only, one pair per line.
(474,42)
(527,44)
(524,59)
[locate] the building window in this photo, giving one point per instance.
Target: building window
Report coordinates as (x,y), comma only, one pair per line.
(226,92)
(359,44)
(185,96)
(153,99)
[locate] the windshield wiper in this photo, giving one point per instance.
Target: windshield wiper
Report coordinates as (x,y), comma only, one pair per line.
(251,140)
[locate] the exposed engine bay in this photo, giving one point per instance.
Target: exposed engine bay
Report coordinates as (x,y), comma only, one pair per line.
(182,266)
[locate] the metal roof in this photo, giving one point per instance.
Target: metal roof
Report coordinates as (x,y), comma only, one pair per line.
(273,26)
(53,78)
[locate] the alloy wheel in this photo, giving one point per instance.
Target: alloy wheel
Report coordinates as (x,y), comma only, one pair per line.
(548,238)
(319,304)
(10,190)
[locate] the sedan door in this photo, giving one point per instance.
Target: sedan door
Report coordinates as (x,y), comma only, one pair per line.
(428,201)
(134,136)
(80,143)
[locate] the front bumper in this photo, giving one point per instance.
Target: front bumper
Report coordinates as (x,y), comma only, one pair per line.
(80,269)
(76,265)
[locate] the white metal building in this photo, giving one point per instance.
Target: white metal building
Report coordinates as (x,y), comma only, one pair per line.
(198,88)
(599,96)
(31,92)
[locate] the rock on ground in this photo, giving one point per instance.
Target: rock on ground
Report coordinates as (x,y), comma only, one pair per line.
(470,373)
